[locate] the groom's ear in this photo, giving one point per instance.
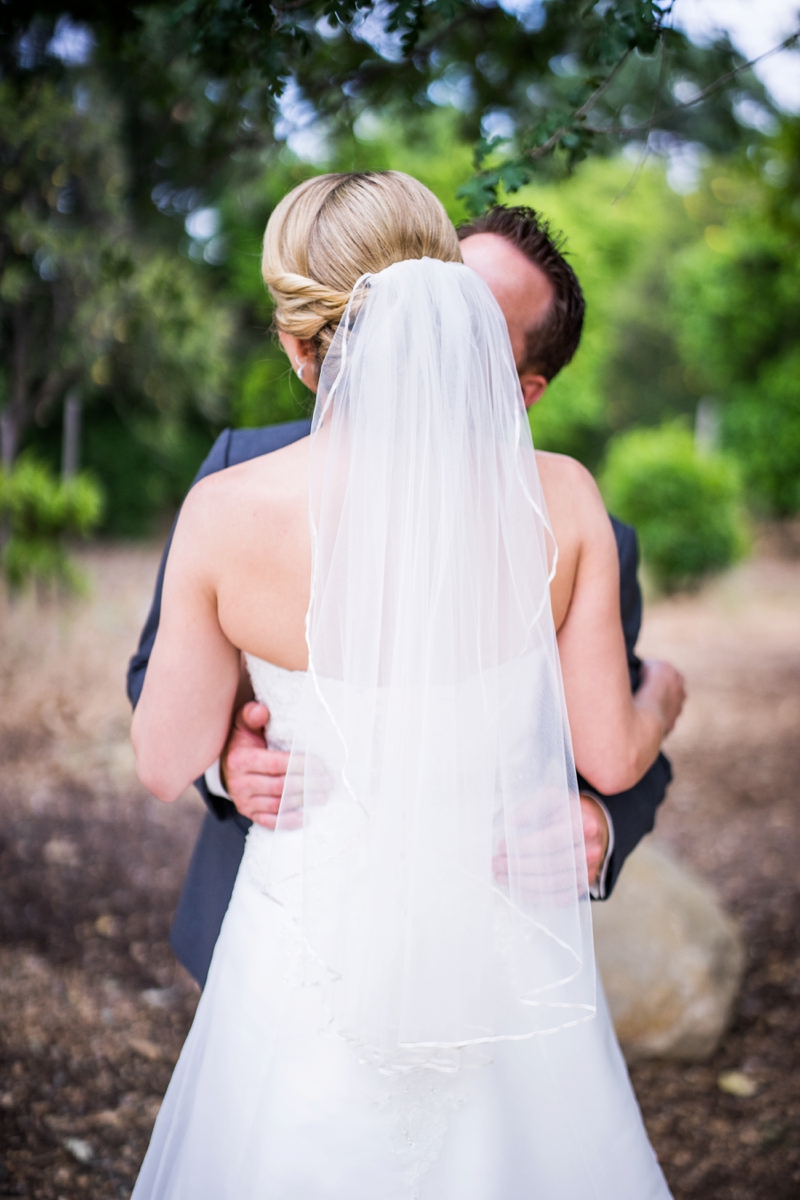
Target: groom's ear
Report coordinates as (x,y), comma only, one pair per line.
(533,387)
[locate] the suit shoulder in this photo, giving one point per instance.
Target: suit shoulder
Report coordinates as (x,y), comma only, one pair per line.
(252,443)
(627,541)
(264,482)
(217,457)
(622,531)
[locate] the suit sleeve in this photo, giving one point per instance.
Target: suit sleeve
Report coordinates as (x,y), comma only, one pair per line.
(216,460)
(633,812)
(630,595)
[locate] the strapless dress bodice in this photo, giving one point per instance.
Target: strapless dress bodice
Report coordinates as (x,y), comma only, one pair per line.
(281,690)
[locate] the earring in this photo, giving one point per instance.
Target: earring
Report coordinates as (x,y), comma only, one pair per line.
(301,366)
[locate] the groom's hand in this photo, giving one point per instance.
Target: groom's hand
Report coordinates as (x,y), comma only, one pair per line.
(544,856)
(253,775)
(595,836)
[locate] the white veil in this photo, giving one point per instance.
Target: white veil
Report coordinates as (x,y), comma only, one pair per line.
(439,896)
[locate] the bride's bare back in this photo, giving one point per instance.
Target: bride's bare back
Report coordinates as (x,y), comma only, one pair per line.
(238,579)
(254,530)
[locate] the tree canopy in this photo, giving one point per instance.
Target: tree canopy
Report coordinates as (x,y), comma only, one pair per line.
(143,146)
(202,79)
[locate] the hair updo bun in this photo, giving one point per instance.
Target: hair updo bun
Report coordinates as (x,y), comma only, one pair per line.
(332,229)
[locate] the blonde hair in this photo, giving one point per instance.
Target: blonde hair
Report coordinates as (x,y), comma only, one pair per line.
(330,230)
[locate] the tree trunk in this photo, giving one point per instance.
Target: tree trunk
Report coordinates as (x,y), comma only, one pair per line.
(9,439)
(71,443)
(16,415)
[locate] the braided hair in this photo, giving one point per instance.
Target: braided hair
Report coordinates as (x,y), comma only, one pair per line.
(332,229)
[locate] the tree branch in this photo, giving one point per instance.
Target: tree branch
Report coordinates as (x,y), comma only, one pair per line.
(585,108)
(626,131)
(597,93)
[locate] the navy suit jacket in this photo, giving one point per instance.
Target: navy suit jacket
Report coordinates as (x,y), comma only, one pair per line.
(218,853)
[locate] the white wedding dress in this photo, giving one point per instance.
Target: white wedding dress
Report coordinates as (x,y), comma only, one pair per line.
(265,1106)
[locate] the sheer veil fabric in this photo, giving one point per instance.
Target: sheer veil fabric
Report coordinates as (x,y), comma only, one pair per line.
(431,767)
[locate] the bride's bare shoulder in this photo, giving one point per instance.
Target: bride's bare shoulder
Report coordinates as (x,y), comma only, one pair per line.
(580,526)
(263,491)
(569,488)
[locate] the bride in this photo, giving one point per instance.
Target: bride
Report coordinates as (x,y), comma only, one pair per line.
(403,1000)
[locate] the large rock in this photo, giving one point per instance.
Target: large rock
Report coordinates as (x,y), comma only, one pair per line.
(670,957)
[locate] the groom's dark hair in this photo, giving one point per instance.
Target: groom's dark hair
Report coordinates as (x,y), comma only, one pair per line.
(550,345)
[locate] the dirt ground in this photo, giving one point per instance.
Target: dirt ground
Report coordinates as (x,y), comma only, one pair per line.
(93,1008)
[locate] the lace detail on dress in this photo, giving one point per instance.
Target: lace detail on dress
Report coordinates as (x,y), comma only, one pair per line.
(419,1105)
(281,691)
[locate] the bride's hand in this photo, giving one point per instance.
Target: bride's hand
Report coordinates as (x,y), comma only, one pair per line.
(662,691)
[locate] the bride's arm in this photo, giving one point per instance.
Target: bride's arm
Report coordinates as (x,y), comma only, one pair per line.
(616,735)
(181,722)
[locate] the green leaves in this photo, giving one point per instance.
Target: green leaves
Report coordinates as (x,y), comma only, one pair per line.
(481,192)
(89,299)
(39,512)
(177,111)
(547,69)
(686,507)
(736,309)
(627,25)
(38,505)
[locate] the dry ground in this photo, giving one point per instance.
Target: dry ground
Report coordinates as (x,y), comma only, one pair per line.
(93,1008)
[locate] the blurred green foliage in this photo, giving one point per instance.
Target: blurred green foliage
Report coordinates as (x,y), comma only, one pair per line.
(136,177)
(620,240)
(685,506)
(737,311)
(203,82)
(37,513)
(88,304)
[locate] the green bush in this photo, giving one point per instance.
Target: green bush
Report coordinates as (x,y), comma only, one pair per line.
(735,303)
(761,426)
(270,392)
(685,506)
(37,512)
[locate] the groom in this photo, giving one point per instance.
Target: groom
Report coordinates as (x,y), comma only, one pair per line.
(520,260)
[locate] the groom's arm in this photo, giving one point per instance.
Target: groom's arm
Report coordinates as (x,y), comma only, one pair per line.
(631,814)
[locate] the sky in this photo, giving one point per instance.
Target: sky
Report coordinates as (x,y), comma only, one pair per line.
(753,26)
